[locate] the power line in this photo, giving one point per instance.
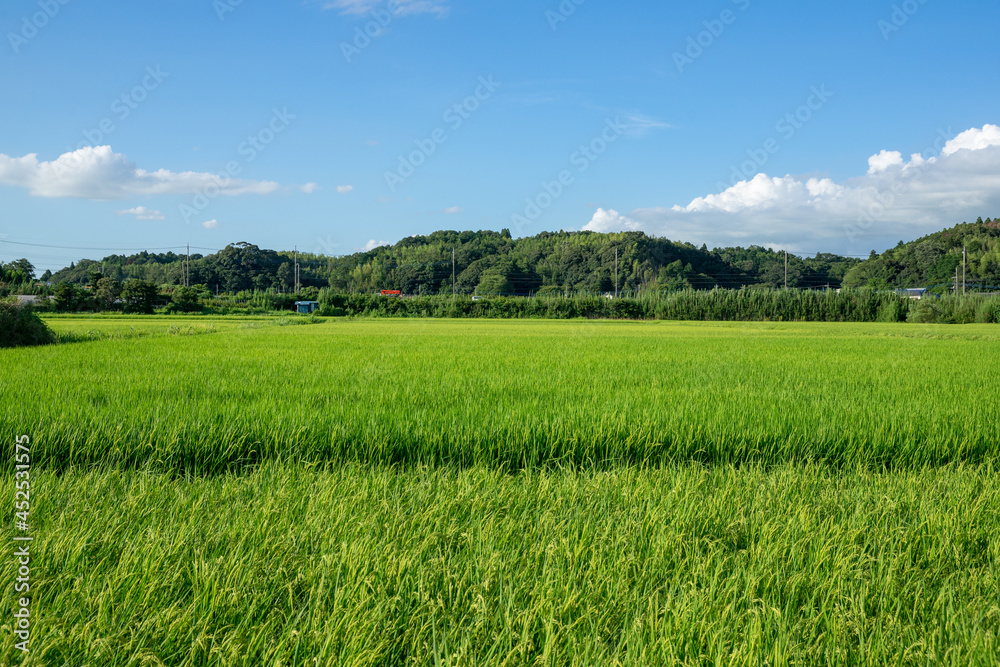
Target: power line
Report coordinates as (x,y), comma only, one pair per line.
(66,247)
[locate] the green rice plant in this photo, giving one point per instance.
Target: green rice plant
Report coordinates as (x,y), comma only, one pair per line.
(512,394)
(370,565)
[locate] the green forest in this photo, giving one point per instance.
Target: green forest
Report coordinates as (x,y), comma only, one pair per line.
(559,263)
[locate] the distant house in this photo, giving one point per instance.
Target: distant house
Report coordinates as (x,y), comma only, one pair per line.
(915,293)
(307,307)
(28,300)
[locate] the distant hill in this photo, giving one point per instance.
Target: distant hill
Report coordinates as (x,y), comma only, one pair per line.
(931,261)
(485,262)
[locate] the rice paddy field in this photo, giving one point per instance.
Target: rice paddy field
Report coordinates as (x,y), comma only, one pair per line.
(433,492)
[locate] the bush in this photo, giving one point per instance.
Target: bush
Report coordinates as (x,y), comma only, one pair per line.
(926,312)
(21,326)
(892,311)
(988,311)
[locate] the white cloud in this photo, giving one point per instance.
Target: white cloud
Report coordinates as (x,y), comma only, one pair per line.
(895,199)
(143,213)
(884,160)
(762,192)
(344,189)
(639,124)
(309,188)
(210,224)
(371,245)
(974,139)
(95,172)
(452,210)
(402,7)
(610,221)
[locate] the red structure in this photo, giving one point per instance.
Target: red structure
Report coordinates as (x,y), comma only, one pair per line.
(391,292)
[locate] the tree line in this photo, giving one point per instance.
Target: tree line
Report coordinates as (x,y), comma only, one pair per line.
(481,263)
(487,263)
(933,261)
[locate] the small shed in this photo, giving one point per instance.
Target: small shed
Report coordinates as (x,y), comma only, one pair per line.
(307,307)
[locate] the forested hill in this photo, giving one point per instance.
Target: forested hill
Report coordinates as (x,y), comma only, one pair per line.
(931,261)
(486,262)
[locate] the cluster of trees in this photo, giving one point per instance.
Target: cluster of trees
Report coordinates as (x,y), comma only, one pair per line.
(484,262)
(19,273)
(132,296)
(491,263)
(932,261)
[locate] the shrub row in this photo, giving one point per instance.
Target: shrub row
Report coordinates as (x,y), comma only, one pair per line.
(718,305)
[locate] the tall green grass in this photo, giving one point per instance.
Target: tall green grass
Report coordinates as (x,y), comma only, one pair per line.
(365,565)
(719,305)
(512,395)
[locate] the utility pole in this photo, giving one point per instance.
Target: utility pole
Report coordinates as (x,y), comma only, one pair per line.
(616,273)
(453,292)
(296,269)
(786,269)
(956,280)
(187,268)
(964,257)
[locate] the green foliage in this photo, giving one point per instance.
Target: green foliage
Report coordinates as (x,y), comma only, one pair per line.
(926,311)
(494,283)
(69,298)
(21,326)
(139,296)
(988,311)
(931,261)
(107,294)
(717,305)
(18,271)
(185,300)
(422,265)
(893,310)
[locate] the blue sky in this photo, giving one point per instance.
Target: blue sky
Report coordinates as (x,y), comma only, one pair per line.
(840,127)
